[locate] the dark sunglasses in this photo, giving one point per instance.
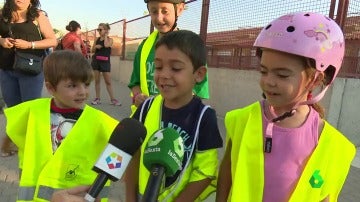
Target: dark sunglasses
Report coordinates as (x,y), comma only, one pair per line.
(99,30)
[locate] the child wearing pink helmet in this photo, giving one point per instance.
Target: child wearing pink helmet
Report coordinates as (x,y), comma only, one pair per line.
(281,148)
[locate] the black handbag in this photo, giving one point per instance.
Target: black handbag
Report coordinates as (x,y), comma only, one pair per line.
(27,63)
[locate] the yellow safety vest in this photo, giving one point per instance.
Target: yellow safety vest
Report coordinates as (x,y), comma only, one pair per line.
(152,124)
(323,175)
(149,42)
(43,172)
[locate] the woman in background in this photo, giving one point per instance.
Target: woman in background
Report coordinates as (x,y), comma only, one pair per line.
(101,63)
(72,39)
(25,27)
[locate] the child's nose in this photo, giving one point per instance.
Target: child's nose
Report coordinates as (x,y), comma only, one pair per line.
(160,17)
(270,80)
(166,73)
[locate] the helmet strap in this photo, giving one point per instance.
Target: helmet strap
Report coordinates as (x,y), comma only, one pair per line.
(270,127)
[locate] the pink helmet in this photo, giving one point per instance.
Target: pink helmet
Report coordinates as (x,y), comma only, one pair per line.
(310,35)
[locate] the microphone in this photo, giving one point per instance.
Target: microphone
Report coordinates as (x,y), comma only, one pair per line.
(125,140)
(163,155)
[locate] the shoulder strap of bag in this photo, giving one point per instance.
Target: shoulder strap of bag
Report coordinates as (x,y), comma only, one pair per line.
(36,22)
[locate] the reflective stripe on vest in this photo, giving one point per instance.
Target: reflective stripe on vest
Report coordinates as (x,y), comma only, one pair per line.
(27,193)
(331,159)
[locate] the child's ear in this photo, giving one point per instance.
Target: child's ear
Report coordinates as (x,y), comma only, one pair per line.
(50,88)
(200,74)
(180,8)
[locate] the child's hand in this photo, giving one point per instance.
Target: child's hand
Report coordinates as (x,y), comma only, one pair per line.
(139,98)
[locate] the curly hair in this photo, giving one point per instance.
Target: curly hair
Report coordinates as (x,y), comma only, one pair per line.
(9,8)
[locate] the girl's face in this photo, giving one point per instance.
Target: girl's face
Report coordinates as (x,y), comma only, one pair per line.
(78,31)
(163,14)
(174,76)
(69,94)
(102,30)
(22,4)
(283,79)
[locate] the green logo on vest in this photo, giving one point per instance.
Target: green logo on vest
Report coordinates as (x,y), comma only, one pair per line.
(316,180)
(71,172)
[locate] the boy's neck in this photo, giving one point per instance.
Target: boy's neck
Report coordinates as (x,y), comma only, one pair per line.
(177,104)
(58,109)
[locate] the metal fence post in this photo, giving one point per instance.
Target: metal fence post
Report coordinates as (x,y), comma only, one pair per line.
(204,19)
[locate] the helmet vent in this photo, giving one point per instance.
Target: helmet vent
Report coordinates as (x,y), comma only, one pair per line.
(290,29)
(307,15)
(267,27)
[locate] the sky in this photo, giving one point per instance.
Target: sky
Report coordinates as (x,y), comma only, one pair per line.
(89,13)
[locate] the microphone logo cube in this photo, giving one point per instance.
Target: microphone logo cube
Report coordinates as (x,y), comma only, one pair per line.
(114,161)
(179,147)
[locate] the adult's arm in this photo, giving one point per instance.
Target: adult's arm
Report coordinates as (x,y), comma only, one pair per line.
(47,32)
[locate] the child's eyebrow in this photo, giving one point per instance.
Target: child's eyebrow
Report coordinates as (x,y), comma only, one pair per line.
(276,68)
(171,60)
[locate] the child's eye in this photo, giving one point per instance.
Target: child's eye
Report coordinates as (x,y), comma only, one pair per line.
(176,69)
(263,72)
(283,76)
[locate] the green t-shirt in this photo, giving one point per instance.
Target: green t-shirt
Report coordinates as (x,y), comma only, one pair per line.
(201,89)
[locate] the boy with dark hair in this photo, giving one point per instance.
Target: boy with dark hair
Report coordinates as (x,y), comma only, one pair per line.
(180,59)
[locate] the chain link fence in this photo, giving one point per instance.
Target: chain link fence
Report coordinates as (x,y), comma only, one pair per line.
(232,26)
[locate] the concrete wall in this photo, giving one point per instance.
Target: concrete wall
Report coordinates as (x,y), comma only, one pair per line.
(230,89)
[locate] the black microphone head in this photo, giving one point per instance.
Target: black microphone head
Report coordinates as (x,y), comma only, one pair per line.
(128,135)
(125,140)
